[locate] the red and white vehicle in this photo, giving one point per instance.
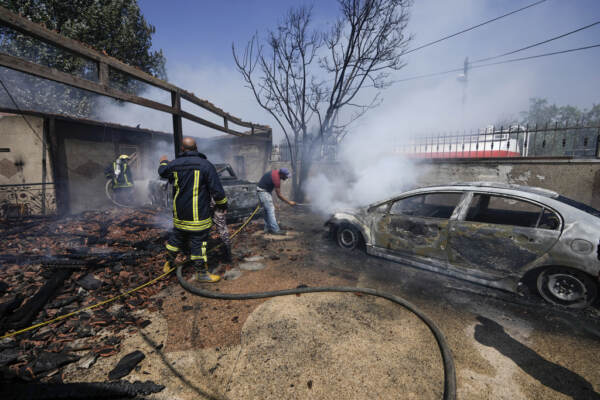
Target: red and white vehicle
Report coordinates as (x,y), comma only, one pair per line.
(490,143)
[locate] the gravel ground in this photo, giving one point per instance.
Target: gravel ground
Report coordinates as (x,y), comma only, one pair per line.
(331,346)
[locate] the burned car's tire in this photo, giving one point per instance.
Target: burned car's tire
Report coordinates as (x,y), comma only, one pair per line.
(348,237)
(566,287)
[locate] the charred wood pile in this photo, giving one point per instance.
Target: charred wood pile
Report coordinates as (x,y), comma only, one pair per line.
(53,267)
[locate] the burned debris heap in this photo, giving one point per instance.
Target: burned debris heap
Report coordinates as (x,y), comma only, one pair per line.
(57,266)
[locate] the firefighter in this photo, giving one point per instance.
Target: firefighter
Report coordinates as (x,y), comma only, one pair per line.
(122,179)
(195,182)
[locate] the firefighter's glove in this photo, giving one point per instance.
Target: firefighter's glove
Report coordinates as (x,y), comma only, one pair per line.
(221,207)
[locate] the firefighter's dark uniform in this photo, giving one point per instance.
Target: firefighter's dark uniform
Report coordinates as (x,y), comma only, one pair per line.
(195,181)
(122,182)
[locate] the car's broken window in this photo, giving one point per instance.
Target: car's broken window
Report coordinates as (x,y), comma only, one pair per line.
(549,220)
(503,211)
(432,205)
(381,208)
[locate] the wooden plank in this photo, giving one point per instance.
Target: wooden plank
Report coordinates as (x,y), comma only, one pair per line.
(210,124)
(44,167)
(177,123)
(42,71)
(28,27)
(40,32)
(216,110)
(103,74)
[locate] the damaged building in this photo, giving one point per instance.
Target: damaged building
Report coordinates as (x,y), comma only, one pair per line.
(65,173)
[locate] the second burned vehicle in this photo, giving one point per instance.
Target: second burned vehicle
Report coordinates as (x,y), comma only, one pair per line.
(495,234)
(241,194)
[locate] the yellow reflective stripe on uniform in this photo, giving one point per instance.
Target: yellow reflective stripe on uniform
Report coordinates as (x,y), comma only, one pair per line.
(176,184)
(125,175)
(172,248)
(164,163)
(203,256)
(115,175)
(192,225)
(222,201)
(195,194)
(191,228)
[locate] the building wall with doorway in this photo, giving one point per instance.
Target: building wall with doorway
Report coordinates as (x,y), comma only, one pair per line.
(78,151)
(26,185)
(85,149)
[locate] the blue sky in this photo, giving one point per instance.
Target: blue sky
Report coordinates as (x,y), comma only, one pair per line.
(196,38)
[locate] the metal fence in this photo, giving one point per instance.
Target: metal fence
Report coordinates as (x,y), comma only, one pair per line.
(283,152)
(28,199)
(515,141)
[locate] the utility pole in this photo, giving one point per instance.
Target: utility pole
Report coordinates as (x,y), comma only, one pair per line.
(464,79)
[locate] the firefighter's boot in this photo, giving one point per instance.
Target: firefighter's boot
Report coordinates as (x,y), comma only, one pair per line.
(203,275)
(170,261)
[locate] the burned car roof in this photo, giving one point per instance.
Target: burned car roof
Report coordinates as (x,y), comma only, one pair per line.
(501,185)
(530,192)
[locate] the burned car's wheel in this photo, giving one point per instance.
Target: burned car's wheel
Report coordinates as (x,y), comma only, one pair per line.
(348,237)
(566,287)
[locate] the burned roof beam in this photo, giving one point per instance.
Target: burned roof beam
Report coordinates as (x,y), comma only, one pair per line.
(105,62)
(55,75)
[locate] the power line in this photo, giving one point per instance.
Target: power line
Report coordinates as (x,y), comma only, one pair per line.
(497,63)
(473,27)
(537,56)
(537,44)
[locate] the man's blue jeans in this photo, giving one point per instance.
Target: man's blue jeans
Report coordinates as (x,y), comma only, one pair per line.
(266,201)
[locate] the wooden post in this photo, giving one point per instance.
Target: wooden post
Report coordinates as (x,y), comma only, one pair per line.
(177,126)
(44,168)
(58,161)
(103,74)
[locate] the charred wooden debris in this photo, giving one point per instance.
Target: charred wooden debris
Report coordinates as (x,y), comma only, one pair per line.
(51,267)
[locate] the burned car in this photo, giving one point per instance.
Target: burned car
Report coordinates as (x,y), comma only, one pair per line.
(241,194)
(495,234)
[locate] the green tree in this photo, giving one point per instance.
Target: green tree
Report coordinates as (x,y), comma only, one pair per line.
(114,27)
(541,113)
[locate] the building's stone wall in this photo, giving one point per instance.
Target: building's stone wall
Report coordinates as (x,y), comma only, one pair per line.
(21,167)
(577,179)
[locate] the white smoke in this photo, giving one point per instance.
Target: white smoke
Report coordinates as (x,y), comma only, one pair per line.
(369,170)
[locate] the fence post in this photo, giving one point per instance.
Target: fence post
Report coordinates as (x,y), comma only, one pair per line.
(598,143)
(177,123)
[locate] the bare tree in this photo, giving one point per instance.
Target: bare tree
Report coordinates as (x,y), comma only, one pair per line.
(304,77)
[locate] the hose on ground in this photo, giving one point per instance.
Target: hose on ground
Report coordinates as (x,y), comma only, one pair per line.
(108,190)
(449,371)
